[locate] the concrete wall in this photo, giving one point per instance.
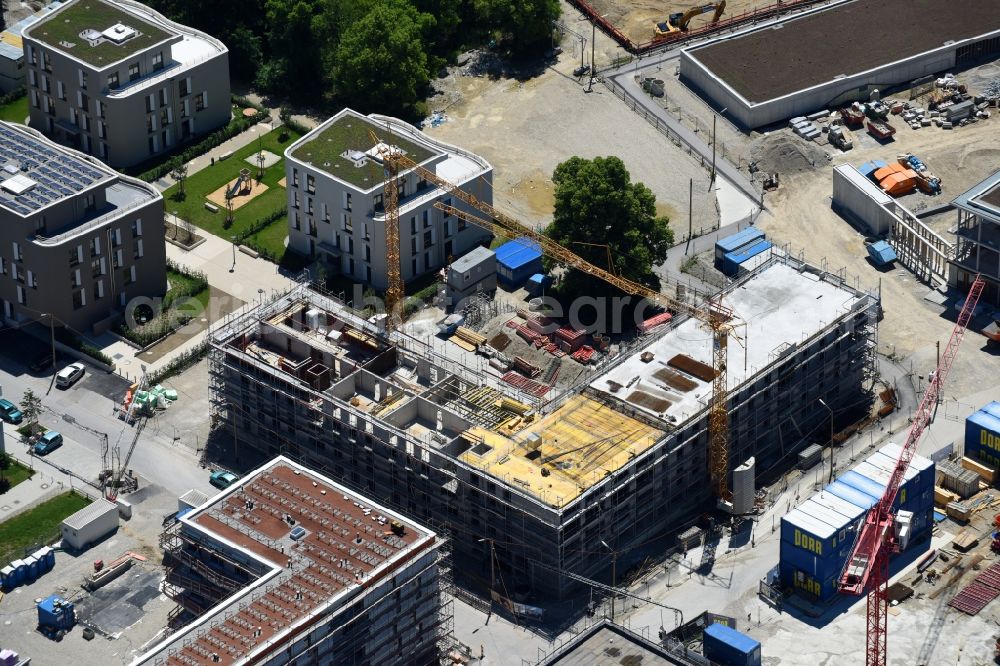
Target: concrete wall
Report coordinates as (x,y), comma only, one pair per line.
(832,93)
(861,200)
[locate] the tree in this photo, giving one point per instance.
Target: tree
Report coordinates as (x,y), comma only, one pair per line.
(382,64)
(525,25)
(597,203)
(188,230)
(31,408)
(179,172)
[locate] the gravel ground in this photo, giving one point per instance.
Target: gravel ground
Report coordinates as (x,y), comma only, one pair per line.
(525,128)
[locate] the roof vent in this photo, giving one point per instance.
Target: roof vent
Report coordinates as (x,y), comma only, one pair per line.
(119,32)
(356,157)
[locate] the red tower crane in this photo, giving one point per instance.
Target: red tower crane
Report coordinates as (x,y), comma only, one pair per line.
(867,568)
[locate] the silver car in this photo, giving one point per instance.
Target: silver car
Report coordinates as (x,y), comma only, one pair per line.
(70,374)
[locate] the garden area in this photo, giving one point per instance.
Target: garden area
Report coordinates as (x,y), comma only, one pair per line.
(186,298)
(14,106)
(37,526)
(12,472)
(259,207)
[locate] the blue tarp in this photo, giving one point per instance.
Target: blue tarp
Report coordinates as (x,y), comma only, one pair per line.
(738,240)
(517,253)
(868,168)
(882,253)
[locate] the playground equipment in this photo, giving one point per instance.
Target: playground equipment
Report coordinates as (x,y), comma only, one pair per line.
(242,183)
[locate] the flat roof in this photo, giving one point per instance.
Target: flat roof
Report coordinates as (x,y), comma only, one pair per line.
(348,542)
(983,198)
(606,644)
(473,258)
(64,31)
(343,148)
(781,308)
(847,39)
(87,514)
(36,173)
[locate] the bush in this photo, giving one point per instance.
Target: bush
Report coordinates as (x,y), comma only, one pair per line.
(247,103)
(286,119)
(73,341)
(13,96)
(179,363)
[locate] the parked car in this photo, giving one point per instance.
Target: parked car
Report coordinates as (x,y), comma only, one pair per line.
(48,442)
(9,412)
(70,374)
(222,479)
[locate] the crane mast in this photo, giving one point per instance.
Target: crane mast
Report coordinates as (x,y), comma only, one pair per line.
(867,566)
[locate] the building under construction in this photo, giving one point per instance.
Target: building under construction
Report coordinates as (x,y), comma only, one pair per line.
(534,491)
(286,566)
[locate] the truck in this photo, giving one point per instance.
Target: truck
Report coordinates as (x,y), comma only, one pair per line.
(841,137)
(880,129)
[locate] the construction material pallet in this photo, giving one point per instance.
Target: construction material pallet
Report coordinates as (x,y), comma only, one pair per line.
(583,354)
(981,591)
(527,385)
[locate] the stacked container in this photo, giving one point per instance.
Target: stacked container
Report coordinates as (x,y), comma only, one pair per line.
(818,535)
(982,435)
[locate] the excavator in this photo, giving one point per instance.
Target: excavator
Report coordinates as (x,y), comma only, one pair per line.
(678,21)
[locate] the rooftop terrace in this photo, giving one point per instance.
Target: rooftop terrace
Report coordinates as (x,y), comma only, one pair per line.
(983,198)
(781,306)
(82,29)
(320,541)
(348,133)
(37,173)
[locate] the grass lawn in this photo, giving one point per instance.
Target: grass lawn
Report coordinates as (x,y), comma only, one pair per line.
(16,473)
(201,184)
(176,309)
(16,111)
(36,525)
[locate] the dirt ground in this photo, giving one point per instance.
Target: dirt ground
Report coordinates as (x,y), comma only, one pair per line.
(636,17)
(800,215)
(527,128)
(245,195)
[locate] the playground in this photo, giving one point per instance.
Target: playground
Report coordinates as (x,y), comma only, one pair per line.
(253,199)
(238,193)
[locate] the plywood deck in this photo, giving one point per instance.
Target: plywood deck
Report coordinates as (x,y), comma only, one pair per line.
(581,442)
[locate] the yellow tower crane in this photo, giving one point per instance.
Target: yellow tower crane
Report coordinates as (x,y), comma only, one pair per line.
(719,318)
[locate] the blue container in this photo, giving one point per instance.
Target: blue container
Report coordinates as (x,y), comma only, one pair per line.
(807,533)
(982,437)
(55,612)
(868,168)
(923,466)
(863,483)
(739,240)
(851,494)
(20,572)
(992,408)
(7,579)
(805,584)
(729,647)
(820,568)
(731,261)
(517,260)
(46,559)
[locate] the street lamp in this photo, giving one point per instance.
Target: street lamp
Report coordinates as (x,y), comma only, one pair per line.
(820,401)
(233,268)
(614,576)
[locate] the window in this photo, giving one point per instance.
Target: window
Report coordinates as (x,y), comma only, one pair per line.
(413,225)
(311,184)
(95,246)
(152,144)
(461,224)
(150,103)
(165,117)
(158,61)
(368,253)
(295,177)
(100,109)
(74,278)
(185,87)
(97,266)
(163,97)
(295,220)
(427,218)
(116,237)
(113,80)
(200,102)
(98,290)
(83,79)
(309,205)
(137,249)
(377,200)
(347,201)
(21,295)
(17,251)
(364,230)
(428,238)
(447,202)
(45,83)
(137,227)
(31,279)
(133,71)
(413,244)
(295,199)
(84,101)
(32,78)
(61,90)
(79,299)
(46,62)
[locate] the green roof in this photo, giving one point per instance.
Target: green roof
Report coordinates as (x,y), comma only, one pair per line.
(349,132)
(64,26)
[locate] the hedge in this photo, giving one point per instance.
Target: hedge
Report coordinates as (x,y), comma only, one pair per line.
(71,339)
(286,119)
(179,363)
(13,95)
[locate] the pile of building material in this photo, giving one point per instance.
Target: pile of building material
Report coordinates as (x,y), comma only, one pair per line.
(655,321)
(805,127)
(569,340)
(468,339)
(962,481)
(584,354)
(981,591)
(519,381)
(526,367)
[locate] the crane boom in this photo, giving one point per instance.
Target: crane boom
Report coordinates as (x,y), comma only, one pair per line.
(867,565)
